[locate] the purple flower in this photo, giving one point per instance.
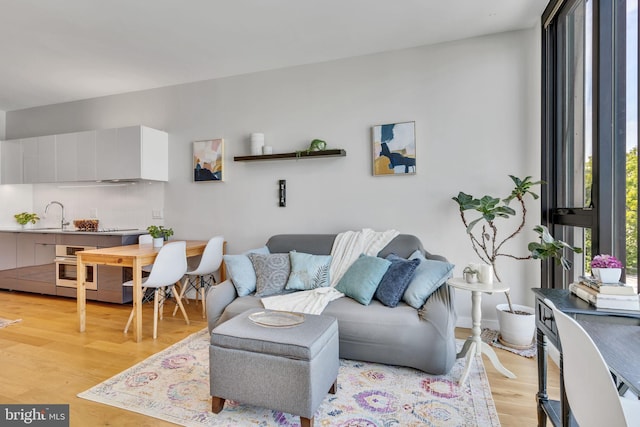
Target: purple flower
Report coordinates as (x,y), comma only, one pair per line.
(605,261)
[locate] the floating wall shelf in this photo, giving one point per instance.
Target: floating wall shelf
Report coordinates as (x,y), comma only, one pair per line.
(294,155)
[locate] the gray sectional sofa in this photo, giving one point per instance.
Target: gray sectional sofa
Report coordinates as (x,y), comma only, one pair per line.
(418,338)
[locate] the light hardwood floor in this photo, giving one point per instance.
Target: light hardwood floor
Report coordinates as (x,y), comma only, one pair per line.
(44,359)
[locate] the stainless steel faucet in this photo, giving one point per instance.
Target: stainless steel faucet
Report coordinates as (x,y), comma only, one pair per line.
(62,223)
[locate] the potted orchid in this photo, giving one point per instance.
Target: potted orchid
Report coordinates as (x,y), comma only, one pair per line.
(606,268)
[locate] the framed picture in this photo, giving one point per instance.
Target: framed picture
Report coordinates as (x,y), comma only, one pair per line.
(208,160)
(394,149)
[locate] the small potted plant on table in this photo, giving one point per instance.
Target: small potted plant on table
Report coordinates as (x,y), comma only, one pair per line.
(25,218)
(159,234)
(606,268)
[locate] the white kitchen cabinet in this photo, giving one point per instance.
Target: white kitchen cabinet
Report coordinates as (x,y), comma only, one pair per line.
(131,153)
(76,156)
(39,159)
(10,162)
(120,154)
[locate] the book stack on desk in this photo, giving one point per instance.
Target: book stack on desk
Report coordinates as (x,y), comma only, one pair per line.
(616,296)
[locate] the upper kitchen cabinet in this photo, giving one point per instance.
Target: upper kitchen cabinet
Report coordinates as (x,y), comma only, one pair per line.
(122,154)
(131,153)
(76,156)
(39,159)
(11,162)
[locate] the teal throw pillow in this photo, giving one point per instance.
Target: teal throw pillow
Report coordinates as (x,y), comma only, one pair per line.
(308,271)
(429,276)
(241,272)
(361,280)
(396,280)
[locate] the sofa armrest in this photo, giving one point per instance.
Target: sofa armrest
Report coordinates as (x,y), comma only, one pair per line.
(439,311)
(218,298)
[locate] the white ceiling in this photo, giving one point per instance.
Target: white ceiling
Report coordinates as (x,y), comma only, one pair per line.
(55,51)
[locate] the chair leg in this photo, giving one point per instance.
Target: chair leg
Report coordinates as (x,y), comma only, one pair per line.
(178,300)
(133,311)
(204,306)
(183,290)
(155,313)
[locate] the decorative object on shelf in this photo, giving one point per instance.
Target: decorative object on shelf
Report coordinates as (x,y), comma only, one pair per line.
(488,246)
(606,268)
(316,145)
(394,149)
(257,142)
(338,152)
(86,224)
(470,274)
(208,160)
(267,149)
(159,234)
(25,218)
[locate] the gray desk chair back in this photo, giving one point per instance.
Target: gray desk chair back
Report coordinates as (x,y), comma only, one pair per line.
(592,394)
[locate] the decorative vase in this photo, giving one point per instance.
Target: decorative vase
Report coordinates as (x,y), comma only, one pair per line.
(158,242)
(470,277)
(607,275)
(517,328)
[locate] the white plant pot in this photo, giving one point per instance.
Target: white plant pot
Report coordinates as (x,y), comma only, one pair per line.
(607,275)
(158,242)
(516,329)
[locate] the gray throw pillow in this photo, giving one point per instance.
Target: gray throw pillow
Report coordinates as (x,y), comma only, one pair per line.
(396,280)
(272,273)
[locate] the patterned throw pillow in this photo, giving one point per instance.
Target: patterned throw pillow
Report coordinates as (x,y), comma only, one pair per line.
(308,271)
(272,273)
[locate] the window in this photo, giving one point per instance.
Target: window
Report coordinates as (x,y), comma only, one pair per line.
(590,133)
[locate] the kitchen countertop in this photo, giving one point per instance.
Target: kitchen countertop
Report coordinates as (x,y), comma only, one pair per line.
(114,232)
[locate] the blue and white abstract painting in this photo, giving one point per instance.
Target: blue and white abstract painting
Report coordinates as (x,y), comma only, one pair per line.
(394,149)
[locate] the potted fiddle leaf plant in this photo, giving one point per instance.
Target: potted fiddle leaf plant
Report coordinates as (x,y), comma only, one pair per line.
(159,234)
(483,231)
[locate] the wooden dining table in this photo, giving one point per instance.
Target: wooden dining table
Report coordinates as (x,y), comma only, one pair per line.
(134,256)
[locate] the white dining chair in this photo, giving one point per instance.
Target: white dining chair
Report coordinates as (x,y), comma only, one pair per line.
(168,268)
(202,276)
(592,394)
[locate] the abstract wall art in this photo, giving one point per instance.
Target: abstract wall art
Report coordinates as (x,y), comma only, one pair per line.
(208,160)
(394,149)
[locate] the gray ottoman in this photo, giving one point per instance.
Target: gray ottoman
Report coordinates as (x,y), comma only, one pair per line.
(285,369)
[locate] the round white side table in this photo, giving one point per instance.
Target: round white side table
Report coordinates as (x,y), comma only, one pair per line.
(474,344)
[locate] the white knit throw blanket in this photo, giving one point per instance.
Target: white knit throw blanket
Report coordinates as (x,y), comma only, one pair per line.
(347,247)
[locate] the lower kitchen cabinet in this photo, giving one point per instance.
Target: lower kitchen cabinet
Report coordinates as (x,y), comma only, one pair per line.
(28,263)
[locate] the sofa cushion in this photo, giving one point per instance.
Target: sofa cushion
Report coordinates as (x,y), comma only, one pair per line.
(240,271)
(429,276)
(308,271)
(362,278)
(272,273)
(396,280)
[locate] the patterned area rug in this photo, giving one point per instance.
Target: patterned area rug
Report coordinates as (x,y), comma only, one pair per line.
(491,337)
(6,322)
(173,385)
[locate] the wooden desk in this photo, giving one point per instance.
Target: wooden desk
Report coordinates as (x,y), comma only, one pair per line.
(609,329)
(134,256)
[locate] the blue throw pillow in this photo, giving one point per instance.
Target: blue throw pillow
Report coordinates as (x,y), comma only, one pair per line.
(396,280)
(240,271)
(361,280)
(308,271)
(429,276)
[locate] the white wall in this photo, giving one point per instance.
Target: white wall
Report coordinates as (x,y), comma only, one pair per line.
(476,107)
